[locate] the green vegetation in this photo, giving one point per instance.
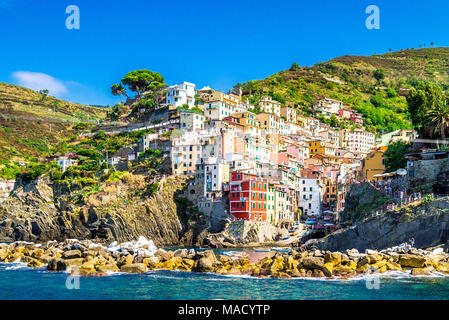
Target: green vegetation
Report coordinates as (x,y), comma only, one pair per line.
(395,156)
(372,85)
(32,122)
(428,105)
(427,199)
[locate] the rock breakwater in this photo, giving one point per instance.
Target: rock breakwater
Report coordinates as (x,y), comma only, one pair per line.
(88,258)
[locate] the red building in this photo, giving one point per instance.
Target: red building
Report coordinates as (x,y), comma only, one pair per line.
(248,196)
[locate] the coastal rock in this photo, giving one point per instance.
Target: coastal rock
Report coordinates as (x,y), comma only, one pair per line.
(124,260)
(3,254)
(312,263)
(412,261)
(204,265)
(112,267)
(56,265)
(34,263)
(328,268)
(333,257)
(73,254)
(393,266)
(422,271)
(134,268)
(151,262)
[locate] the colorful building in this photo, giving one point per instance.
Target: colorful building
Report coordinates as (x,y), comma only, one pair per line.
(248,196)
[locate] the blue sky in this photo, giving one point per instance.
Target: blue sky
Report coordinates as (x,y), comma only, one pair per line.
(208,42)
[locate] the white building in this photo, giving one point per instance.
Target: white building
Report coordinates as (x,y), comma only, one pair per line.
(328,106)
(216,172)
(268,105)
(181,94)
(309,196)
(358,141)
(65,162)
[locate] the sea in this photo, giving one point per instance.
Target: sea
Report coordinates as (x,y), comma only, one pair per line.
(20,282)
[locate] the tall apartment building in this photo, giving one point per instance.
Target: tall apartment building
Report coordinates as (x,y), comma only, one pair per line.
(248,196)
(357,140)
(309,196)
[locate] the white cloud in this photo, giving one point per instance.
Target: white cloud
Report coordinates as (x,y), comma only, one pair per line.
(39,81)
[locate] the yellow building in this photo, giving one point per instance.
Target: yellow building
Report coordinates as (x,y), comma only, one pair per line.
(374,164)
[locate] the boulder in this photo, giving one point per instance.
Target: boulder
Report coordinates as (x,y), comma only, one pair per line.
(76,262)
(374,257)
(393,266)
(187,264)
(333,258)
(45,258)
(328,268)
(443,267)
(342,269)
(363,261)
(422,271)
(34,263)
(317,273)
(56,265)
(151,262)
(312,263)
(164,255)
(353,253)
(111,267)
(72,254)
(224,259)
(183,253)
(134,268)
(204,265)
(412,261)
(3,254)
(277,265)
(124,260)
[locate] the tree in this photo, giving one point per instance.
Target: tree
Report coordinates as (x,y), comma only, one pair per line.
(395,156)
(118,90)
(44,93)
(379,74)
(295,66)
(437,120)
(140,81)
(425,97)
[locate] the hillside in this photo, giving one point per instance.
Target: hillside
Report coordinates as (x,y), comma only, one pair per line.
(351,79)
(31,123)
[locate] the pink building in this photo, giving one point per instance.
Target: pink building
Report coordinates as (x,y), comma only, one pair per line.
(357,118)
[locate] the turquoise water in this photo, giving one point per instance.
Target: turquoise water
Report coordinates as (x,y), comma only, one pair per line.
(19,282)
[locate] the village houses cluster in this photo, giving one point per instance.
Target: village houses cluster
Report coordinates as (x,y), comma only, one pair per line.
(272,165)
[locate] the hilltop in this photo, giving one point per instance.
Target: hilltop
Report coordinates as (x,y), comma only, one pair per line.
(32,122)
(352,80)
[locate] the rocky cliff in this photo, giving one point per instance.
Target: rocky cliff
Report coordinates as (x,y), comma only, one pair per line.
(427,223)
(42,210)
